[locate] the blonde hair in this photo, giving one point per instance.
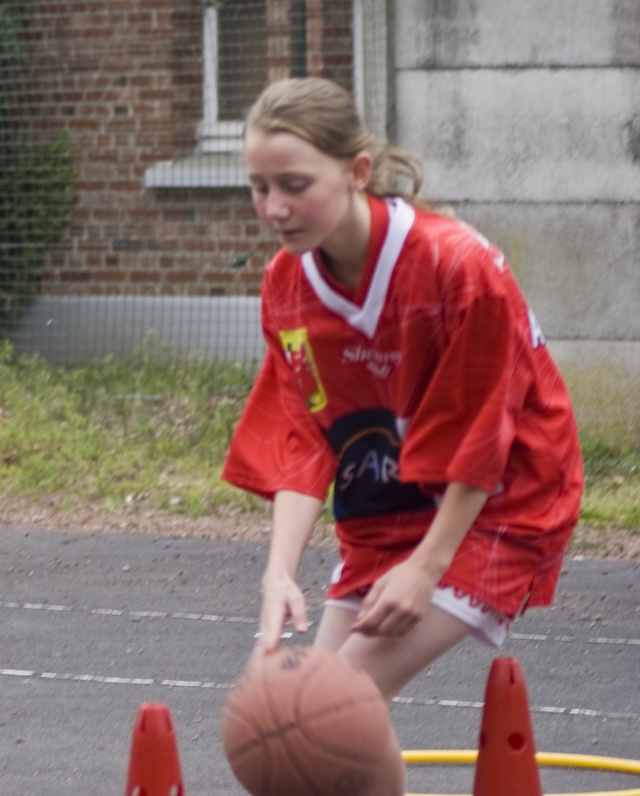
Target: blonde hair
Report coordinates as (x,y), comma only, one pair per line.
(324,114)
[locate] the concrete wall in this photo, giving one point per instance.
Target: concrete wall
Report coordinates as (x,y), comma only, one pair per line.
(527,116)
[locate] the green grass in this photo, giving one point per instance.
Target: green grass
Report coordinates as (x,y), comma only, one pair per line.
(155,433)
(117,433)
(612,490)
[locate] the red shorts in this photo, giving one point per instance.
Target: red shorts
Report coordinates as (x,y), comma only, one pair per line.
(508,569)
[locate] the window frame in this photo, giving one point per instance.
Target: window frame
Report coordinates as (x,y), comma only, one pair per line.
(214,135)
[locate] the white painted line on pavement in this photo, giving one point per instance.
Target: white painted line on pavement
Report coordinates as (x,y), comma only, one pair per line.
(244,620)
(28,674)
(118,612)
(17,673)
(554,709)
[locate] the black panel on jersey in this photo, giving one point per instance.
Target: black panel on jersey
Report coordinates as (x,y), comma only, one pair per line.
(367,446)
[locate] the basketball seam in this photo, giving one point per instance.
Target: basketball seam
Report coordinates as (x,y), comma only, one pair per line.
(283,728)
(282,731)
(337,710)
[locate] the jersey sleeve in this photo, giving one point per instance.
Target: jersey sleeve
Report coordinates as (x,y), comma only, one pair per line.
(277,445)
(465,423)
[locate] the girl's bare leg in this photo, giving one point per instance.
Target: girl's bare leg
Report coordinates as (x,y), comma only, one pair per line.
(391,662)
(334,628)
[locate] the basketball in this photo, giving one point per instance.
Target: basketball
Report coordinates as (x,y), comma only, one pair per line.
(304,722)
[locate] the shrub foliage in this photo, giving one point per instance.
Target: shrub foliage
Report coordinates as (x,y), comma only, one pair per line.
(36,177)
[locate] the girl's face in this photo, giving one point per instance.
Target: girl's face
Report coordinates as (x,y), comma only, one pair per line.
(303,195)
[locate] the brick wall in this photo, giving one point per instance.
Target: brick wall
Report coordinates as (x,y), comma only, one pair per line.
(124,79)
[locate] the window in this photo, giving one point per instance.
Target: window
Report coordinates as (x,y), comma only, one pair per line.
(249,43)
(235,69)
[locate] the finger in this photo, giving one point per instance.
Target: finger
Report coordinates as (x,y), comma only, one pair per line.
(389,622)
(298,613)
(373,611)
(400,622)
(370,601)
(370,621)
(262,647)
(270,631)
(269,642)
(403,627)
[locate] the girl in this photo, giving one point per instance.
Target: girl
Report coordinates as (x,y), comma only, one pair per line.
(405,368)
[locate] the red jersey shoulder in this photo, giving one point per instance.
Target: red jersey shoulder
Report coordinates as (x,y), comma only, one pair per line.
(446,264)
(464,267)
(458,250)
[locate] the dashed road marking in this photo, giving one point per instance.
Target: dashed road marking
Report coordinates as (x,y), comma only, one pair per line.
(28,674)
(131,614)
(553,709)
(244,620)
(573,639)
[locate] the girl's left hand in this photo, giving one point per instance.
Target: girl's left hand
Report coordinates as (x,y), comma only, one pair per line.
(397,601)
(401,597)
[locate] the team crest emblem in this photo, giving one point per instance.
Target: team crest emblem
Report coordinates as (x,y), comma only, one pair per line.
(298,353)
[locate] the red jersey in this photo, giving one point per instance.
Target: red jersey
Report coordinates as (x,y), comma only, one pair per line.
(432,370)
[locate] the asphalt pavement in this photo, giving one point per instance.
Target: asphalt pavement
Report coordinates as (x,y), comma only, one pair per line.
(92,626)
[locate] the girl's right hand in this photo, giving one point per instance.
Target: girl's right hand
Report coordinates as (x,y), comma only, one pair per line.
(282,599)
(294,517)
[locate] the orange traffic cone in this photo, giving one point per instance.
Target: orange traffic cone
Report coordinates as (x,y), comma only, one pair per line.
(154,768)
(506,752)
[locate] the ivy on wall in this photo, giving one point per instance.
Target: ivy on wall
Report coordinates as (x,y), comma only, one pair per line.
(36,178)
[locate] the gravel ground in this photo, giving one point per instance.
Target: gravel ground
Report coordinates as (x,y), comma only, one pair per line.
(233,523)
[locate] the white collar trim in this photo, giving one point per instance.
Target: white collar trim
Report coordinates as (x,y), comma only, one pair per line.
(365,318)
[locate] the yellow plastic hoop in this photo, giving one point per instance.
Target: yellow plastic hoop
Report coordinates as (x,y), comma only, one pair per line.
(618,764)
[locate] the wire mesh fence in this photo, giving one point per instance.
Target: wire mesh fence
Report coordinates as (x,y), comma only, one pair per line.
(126,219)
